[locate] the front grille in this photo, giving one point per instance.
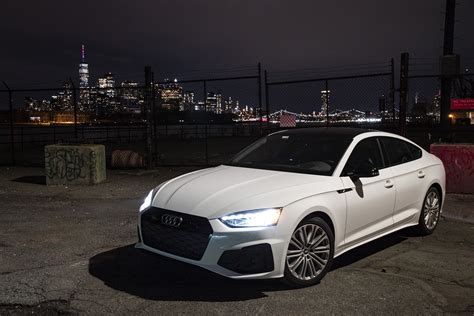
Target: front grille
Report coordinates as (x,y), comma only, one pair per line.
(188,240)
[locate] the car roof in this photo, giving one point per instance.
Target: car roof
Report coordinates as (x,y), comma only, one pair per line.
(345,132)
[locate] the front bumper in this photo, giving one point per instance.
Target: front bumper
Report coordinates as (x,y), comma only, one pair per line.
(263,242)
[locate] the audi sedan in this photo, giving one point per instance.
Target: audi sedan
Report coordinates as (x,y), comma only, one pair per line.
(288,204)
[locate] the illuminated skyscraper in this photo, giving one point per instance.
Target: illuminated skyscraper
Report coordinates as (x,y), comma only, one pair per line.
(106,94)
(107,84)
(84,81)
(325,101)
(129,96)
(171,95)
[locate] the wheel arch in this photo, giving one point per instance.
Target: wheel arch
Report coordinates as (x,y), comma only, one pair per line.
(440,190)
(323,216)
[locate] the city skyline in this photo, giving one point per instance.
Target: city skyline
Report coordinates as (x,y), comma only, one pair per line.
(105,97)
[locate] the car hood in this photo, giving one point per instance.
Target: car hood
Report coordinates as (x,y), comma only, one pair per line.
(224,189)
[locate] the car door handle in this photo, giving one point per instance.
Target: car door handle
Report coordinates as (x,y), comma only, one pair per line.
(344,190)
(388,184)
(421,174)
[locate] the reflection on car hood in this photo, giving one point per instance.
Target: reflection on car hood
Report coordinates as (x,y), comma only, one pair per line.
(217,191)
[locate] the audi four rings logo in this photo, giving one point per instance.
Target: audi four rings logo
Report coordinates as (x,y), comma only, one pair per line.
(171,220)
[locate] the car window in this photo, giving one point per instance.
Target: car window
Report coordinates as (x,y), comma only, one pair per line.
(398,151)
(414,151)
(367,150)
(302,153)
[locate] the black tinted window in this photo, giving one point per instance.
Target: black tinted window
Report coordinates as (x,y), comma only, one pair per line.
(414,151)
(397,151)
(303,153)
(366,150)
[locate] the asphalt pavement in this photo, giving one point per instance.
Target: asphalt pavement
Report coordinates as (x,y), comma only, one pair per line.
(68,250)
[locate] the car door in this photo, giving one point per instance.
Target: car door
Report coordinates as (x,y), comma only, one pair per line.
(370,200)
(408,175)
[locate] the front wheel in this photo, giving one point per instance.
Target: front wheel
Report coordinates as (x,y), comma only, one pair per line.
(430,212)
(310,253)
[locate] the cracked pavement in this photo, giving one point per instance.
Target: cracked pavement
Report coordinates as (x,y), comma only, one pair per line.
(68,250)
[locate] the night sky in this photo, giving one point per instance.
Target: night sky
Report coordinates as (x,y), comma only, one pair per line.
(41,39)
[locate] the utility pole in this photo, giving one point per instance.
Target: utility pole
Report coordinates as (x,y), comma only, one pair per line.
(149,127)
(402,114)
(448,69)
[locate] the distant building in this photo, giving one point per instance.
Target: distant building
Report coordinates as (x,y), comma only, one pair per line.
(84,95)
(435,110)
(171,95)
(130,96)
(64,98)
(228,105)
(106,102)
(188,101)
(214,102)
(106,83)
(325,101)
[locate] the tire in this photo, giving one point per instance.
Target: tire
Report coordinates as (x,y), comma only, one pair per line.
(307,264)
(430,212)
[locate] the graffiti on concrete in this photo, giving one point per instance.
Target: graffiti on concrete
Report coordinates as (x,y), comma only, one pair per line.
(66,163)
(458,162)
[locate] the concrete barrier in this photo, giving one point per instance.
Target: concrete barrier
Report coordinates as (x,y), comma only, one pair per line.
(74,164)
(458,160)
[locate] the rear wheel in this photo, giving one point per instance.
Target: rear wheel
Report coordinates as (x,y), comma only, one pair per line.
(430,213)
(310,253)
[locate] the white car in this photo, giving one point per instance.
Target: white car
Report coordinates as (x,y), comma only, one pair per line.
(288,204)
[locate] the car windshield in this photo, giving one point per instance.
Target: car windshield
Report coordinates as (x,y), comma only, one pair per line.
(302,153)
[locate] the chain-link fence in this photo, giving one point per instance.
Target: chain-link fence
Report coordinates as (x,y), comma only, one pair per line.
(366,96)
(166,122)
(204,119)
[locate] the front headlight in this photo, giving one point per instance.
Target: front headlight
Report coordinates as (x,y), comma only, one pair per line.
(254,218)
(147,202)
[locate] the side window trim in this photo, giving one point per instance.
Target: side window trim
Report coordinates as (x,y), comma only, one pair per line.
(382,154)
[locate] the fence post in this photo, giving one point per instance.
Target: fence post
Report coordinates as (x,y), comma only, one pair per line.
(207,122)
(74,100)
(260,94)
(149,129)
(155,134)
(402,114)
(267,100)
(392,90)
(12,119)
(327,102)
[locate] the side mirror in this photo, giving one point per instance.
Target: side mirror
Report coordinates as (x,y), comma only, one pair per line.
(365,170)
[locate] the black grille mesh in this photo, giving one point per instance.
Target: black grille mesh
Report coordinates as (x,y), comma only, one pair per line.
(189,240)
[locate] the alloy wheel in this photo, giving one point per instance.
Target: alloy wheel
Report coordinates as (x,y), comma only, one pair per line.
(308,252)
(431,210)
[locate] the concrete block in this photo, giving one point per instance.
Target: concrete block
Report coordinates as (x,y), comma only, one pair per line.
(74,164)
(458,160)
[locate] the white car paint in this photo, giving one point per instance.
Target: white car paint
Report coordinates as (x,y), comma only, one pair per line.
(391,201)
